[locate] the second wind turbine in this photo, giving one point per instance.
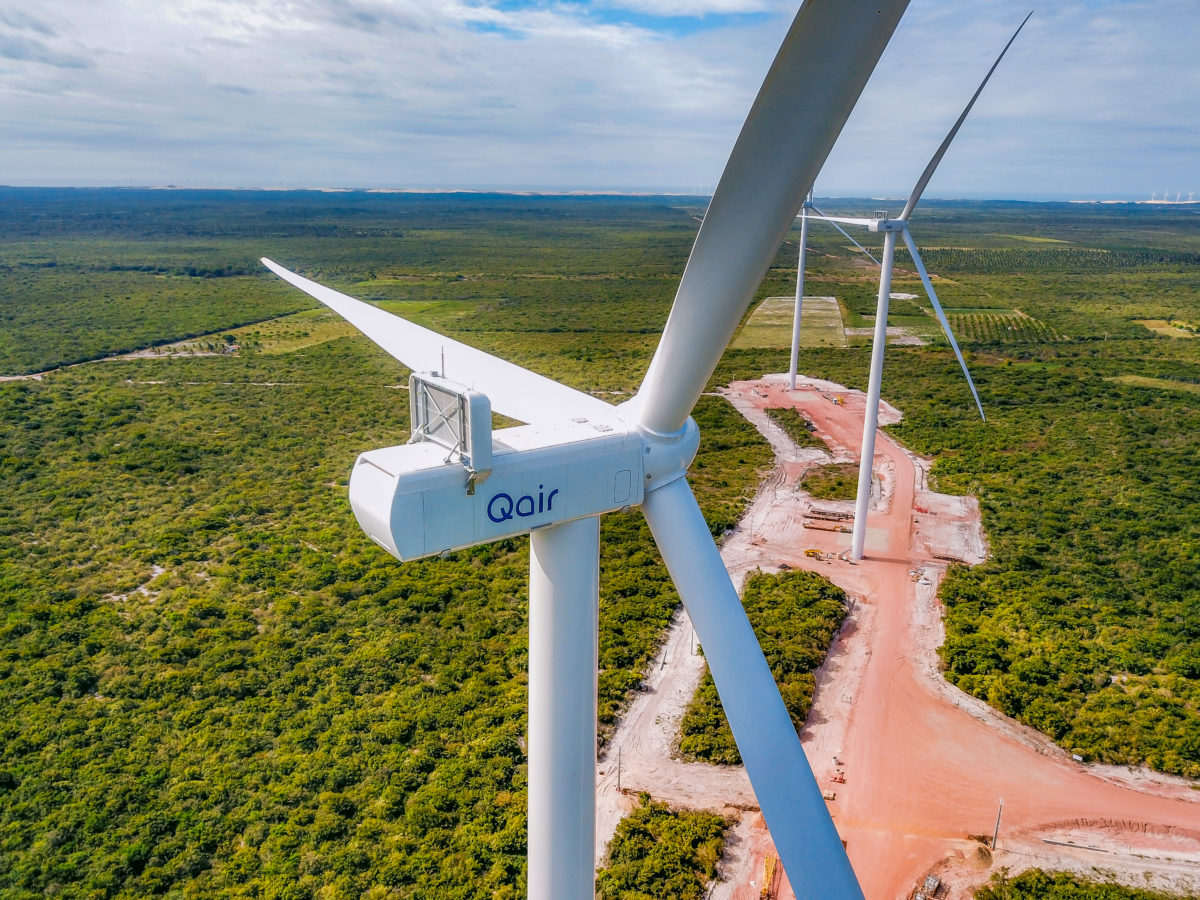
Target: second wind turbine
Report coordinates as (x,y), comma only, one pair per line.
(891,228)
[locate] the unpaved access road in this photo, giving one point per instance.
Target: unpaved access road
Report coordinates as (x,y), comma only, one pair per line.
(925,765)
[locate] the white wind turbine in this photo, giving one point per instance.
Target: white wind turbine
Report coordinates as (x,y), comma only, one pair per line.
(891,228)
(798,309)
(456,484)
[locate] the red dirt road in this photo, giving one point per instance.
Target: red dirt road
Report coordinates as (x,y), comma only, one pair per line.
(925,765)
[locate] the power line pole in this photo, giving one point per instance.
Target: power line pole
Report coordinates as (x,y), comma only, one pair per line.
(996,833)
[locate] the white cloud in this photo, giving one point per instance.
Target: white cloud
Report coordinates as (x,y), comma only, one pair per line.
(698,8)
(454,93)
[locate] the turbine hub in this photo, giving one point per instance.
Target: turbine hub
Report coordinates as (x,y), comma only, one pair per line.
(667,456)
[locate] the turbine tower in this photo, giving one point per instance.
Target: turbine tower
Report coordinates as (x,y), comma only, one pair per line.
(891,228)
(799,307)
(456,484)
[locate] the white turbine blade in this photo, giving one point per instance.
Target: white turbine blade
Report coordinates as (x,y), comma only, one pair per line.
(822,67)
(513,391)
(845,234)
(937,308)
(923,181)
(791,801)
(851,220)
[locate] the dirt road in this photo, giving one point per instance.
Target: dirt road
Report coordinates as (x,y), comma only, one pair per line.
(924,764)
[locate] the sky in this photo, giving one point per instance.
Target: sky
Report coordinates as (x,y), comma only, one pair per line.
(1097,99)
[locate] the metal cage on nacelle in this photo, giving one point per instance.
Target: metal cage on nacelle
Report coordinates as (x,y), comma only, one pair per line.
(453,416)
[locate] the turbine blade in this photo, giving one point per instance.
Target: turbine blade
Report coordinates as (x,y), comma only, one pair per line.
(937,308)
(923,181)
(791,801)
(513,391)
(846,235)
(822,67)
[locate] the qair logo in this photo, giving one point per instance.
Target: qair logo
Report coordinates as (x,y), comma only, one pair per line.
(503,507)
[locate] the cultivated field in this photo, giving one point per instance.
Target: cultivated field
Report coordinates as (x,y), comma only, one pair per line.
(770,325)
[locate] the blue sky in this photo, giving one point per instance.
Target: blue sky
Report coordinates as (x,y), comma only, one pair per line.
(1098,98)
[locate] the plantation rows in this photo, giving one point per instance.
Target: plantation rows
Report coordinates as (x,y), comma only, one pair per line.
(984,328)
(987,261)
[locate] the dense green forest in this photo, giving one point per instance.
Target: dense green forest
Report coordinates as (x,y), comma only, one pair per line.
(661,854)
(795,616)
(215,686)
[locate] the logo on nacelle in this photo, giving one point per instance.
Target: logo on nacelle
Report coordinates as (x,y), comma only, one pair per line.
(502,507)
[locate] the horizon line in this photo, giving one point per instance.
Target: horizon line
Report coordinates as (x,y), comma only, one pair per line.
(591,192)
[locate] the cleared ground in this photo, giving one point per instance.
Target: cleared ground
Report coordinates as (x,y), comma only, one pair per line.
(1165,328)
(1165,384)
(916,767)
(771,324)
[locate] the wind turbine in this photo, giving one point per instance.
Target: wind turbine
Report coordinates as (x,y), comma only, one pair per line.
(457,484)
(798,310)
(891,228)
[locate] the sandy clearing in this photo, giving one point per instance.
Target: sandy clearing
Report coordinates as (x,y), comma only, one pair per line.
(924,763)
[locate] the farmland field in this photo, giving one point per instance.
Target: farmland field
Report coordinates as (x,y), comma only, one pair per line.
(770,325)
(985,326)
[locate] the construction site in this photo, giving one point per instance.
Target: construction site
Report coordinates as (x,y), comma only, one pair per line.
(932,790)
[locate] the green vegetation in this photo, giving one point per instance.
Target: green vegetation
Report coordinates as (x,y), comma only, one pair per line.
(836,482)
(1038,885)
(795,616)
(215,686)
(999,328)
(1165,384)
(797,427)
(770,325)
(662,854)
(1057,259)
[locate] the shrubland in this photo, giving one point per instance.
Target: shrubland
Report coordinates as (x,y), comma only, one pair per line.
(662,854)
(795,616)
(1038,885)
(214,685)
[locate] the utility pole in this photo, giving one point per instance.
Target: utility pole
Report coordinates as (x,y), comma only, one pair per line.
(619,777)
(996,833)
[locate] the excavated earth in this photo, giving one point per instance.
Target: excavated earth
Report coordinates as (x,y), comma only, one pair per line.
(916,768)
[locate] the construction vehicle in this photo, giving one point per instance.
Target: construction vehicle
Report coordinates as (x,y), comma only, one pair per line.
(929,888)
(813,552)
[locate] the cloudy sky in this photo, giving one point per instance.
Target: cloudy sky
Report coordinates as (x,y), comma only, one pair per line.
(1098,98)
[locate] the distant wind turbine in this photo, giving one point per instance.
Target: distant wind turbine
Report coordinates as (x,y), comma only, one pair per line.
(798,310)
(891,228)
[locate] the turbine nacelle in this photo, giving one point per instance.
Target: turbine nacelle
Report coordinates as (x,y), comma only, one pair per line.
(884,225)
(424,498)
